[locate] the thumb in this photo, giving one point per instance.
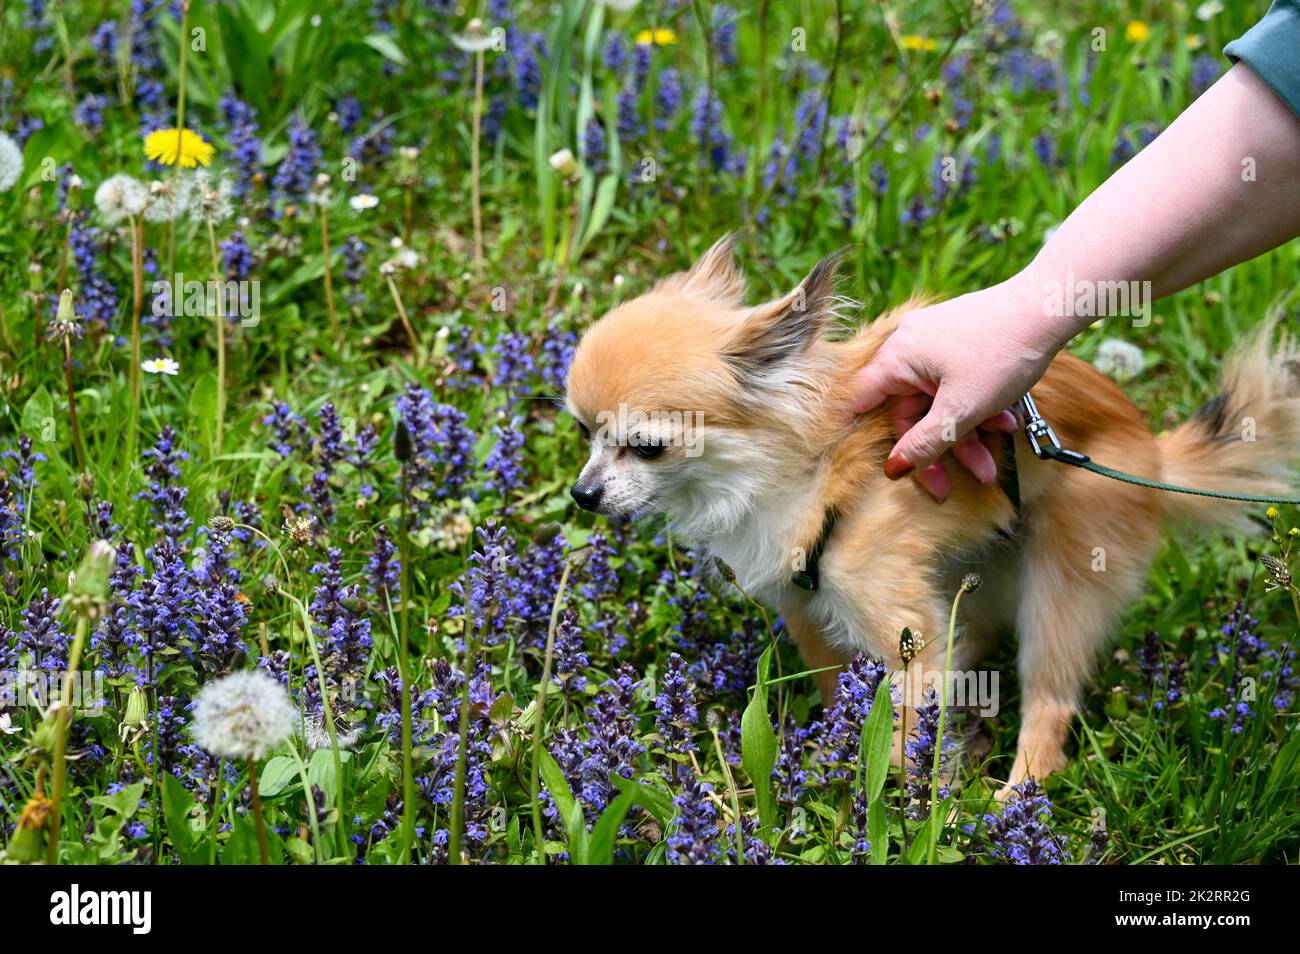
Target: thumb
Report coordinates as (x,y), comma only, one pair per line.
(877,382)
(927,440)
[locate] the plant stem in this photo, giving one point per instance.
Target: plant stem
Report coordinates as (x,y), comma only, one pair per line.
(257,811)
(64,724)
(462,753)
(183,41)
(404,667)
(735,796)
(474,165)
(329,274)
(137,303)
(221,344)
(534,780)
(406,321)
(77,444)
(934,822)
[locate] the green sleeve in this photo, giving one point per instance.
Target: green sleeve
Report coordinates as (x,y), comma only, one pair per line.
(1272,49)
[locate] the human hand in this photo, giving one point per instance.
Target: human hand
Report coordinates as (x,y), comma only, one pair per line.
(949,372)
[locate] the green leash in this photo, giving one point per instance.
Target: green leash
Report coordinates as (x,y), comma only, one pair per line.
(1046,446)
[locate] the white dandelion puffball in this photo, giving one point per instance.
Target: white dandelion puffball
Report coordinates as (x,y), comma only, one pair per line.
(11,162)
(1119,359)
(244,715)
(121,196)
(165,201)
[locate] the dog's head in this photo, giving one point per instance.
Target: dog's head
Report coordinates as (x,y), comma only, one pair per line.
(694,402)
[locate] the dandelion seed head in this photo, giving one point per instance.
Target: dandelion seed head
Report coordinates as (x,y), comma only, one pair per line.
(244,715)
(1119,359)
(11,162)
(121,196)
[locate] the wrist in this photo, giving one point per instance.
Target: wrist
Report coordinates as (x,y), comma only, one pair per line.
(1041,328)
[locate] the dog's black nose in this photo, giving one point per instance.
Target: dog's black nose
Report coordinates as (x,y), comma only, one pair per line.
(586,495)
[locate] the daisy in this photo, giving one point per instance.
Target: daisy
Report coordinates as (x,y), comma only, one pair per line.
(362,202)
(169,145)
(161,366)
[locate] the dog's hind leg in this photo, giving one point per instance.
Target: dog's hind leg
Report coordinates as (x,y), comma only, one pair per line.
(1083,564)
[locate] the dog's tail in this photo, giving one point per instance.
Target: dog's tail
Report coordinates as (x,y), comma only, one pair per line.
(1245,440)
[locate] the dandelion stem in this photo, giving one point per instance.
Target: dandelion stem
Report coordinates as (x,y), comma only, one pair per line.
(183,43)
(406,321)
(63,715)
(221,344)
(568,255)
(309,636)
(935,823)
(77,444)
(534,779)
(474,164)
(257,811)
(329,274)
(137,303)
(735,796)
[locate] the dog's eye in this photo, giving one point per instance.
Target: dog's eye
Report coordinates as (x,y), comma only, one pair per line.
(648,451)
(586,431)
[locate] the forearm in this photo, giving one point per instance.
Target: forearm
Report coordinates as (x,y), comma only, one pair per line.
(1219,186)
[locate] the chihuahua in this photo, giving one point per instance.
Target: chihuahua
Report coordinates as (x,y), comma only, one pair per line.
(733,420)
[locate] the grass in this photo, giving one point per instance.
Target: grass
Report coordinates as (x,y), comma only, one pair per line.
(392,403)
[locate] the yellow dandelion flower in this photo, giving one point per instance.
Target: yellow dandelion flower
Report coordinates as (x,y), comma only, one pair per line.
(917,43)
(168,145)
(1136,31)
(1271,513)
(662,36)
(1194,41)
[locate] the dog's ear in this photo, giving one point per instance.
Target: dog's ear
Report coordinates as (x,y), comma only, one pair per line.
(714,276)
(776,333)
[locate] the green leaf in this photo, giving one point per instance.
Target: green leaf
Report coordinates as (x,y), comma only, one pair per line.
(320,770)
(38,417)
(758,744)
(276,776)
(384,44)
(600,850)
(577,826)
(878,832)
(125,803)
(557,784)
(877,742)
(203,407)
(658,803)
(177,805)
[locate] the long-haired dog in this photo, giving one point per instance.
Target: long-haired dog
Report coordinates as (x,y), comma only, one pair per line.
(733,420)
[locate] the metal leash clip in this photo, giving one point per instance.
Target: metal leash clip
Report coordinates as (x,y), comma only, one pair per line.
(1037,430)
